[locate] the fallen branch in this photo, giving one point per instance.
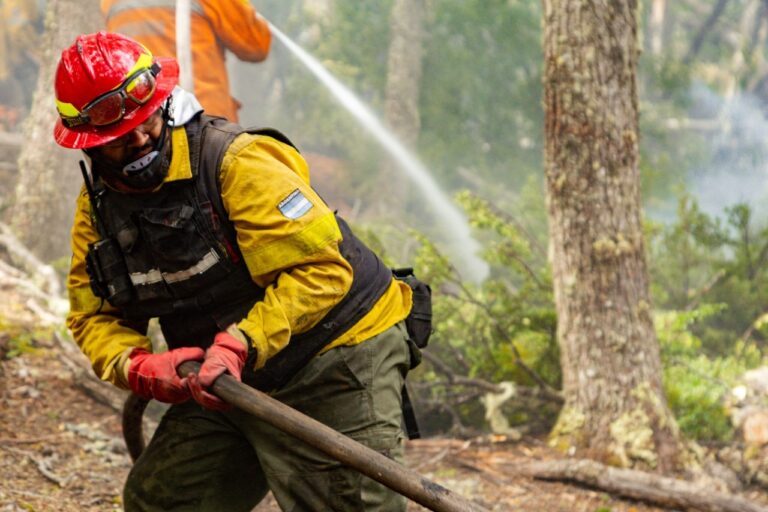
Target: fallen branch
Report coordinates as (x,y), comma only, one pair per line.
(24,259)
(42,467)
(83,377)
(489,387)
(639,485)
(35,495)
(11,139)
(441,455)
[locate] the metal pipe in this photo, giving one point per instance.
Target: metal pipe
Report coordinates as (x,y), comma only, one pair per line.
(342,448)
(184,44)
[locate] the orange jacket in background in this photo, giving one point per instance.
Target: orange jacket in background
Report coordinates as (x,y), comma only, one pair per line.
(217,25)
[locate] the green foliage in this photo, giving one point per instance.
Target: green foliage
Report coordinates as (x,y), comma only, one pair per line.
(481,127)
(16,341)
(498,330)
(696,385)
(702,259)
(480,101)
(319,120)
(481,90)
(684,253)
(24,343)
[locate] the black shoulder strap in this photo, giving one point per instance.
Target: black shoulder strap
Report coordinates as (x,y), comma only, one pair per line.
(271,132)
(209,138)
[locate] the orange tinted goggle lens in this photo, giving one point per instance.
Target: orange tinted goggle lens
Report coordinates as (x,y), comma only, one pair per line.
(111,107)
(107,110)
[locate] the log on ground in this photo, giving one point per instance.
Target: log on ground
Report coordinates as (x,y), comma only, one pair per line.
(664,491)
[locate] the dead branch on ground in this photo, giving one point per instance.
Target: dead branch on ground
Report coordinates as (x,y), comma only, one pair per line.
(544,394)
(44,275)
(664,491)
(37,287)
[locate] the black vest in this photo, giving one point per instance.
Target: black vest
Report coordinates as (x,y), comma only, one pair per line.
(185,267)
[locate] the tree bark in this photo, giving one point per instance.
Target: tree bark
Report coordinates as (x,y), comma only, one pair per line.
(401,100)
(404,70)
(615,410)
(49,177)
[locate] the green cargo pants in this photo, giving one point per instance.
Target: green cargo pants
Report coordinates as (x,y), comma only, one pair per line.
(201,460)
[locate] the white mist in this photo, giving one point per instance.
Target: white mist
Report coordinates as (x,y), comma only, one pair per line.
(463,248)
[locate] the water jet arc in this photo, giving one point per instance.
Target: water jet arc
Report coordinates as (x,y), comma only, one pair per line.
(462,247)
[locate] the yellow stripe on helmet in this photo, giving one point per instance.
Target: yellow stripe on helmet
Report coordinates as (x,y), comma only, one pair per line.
(66,109)
(144,62)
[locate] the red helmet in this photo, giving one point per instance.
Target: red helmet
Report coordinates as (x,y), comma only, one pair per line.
(106,85)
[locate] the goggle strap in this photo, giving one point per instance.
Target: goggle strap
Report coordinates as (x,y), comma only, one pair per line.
(81,119)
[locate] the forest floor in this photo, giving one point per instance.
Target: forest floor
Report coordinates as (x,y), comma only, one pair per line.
(61,447)
(63,451)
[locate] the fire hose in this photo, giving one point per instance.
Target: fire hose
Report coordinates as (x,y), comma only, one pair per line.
(334,444)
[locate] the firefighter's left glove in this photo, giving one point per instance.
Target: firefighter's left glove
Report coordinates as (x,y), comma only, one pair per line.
(227,355)
(154,375)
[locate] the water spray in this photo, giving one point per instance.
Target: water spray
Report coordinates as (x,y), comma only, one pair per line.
(452,221)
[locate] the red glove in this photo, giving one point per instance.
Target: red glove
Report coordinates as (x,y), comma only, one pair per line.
(154,375)
(227,354)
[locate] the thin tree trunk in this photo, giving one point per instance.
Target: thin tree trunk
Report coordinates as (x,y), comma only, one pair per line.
(742,59)
(48,175)
(615,410)
(401,100)
(404,70)
(656,26)
(709,23)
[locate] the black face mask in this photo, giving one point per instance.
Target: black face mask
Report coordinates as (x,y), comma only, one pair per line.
(146,172)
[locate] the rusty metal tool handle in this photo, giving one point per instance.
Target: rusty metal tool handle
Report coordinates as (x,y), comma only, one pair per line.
(342,448)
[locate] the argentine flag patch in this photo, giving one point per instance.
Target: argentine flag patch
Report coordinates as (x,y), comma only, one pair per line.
(295,205)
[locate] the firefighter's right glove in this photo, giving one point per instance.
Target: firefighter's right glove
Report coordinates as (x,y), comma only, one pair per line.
(154,375)
(227,355)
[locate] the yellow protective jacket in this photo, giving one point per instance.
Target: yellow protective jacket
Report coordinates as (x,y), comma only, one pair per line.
(216,26)
(296,261)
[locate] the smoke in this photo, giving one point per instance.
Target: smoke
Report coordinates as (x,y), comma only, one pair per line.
(736,170)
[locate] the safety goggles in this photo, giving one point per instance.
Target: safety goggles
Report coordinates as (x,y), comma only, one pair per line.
(110,107)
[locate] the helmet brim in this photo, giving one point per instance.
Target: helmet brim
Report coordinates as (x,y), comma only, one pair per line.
(87,136)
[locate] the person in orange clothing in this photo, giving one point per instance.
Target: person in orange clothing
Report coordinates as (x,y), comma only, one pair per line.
(216,26)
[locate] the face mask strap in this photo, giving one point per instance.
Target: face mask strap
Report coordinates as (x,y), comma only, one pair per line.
(145,175)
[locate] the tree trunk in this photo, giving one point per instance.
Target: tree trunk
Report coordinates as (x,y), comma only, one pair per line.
(656,26)
(708,25)
(401,100)
(404,70)
(615,410)
(49,177)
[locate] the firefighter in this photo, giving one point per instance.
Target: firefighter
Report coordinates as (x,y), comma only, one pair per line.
(217,232)
(216,26)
